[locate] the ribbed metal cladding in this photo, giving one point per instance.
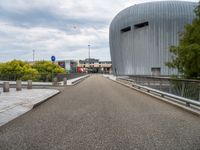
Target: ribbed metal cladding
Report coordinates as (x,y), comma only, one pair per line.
(137,51)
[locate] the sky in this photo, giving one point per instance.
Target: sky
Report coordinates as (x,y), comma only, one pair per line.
(63,28)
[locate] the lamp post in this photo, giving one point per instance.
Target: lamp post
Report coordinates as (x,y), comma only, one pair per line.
(33,56)
(89,54)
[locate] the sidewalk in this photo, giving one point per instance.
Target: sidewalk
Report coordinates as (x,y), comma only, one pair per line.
(13,104)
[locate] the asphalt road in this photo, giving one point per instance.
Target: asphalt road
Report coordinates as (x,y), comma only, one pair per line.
(101,114)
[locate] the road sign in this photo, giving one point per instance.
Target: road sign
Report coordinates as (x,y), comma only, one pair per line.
(53,58)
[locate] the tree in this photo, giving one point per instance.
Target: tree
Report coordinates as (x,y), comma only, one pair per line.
(30,73)
(187,55)
(47,70)
(17,70)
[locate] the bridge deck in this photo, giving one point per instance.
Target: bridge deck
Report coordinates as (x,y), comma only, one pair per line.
(101,114)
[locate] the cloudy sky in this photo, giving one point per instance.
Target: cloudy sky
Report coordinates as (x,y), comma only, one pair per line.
(63,28)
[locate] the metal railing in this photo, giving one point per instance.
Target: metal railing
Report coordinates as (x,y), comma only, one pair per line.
(44,77)
(181,87)
(173,97)
(187,91)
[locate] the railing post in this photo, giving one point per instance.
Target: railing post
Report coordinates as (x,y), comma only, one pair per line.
(183,88)
(187,104)
(147,82)
(170,86)
(29,86)
(160,84)
(6,87)
(18,85)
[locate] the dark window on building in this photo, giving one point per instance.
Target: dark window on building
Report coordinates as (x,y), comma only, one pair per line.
(156,71)
(141,25)
(126,29)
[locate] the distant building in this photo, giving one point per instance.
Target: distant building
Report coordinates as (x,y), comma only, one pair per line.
(69,65)
(94,66)
(88,65)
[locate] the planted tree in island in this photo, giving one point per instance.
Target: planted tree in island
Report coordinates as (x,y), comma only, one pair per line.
(17,70)
(47,70)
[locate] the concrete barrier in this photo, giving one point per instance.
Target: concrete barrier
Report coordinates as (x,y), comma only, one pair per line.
(6,87)
(29,86)
(55,81)
(65,81)
(18,85)
(76,80)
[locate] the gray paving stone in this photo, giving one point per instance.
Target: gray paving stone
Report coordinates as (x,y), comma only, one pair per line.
(15,103)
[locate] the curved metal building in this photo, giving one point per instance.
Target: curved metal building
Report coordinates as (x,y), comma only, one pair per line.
(140,36)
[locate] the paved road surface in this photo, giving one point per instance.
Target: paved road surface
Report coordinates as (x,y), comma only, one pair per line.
(101,114)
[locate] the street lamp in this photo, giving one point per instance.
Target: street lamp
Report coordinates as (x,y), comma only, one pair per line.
(33,56)
(89,54)
(89,51)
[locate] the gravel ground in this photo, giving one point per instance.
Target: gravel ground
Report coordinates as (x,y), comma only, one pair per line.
(101,114)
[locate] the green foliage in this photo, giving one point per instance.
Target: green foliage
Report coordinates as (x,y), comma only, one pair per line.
(187,55)
(197,11)
(17,70)
(47,70)
(30,73)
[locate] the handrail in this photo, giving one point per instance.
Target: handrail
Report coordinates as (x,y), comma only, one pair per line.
(164,78)
(163,94)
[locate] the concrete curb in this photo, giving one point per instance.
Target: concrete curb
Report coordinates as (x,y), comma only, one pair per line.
(79,80)
(39,103)
(178,105)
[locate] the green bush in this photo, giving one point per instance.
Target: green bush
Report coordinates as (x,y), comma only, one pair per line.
(47,70)
(19,70)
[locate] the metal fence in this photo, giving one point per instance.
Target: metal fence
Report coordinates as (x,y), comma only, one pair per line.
(181,87)
(45,77)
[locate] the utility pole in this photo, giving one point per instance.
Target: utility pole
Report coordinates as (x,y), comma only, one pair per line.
(33,55)
(89,54)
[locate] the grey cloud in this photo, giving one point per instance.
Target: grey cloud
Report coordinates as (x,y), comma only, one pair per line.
(57,27)
(48,17)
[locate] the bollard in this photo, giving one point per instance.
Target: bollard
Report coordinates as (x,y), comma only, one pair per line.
(18,85)
(65,81)
(6,87)
(29,86)
(55,81)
